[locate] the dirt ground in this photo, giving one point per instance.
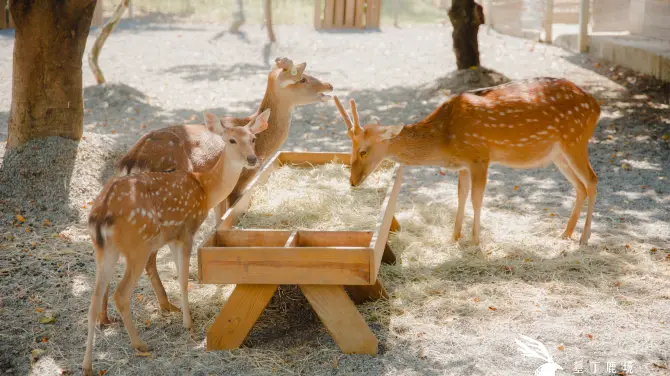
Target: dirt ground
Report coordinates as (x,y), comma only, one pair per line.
(455,309)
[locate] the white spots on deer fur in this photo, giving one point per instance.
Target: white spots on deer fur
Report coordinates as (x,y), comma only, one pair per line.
(565,136)
(466,134)
(572,129)
(551,128)
(542,132)
(523,139)
(510,126)
(569,112)
(545,112)
(486,125)
(171,143)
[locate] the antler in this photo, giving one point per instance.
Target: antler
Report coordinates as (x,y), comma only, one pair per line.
(526,350)
(345,115)
(354,112)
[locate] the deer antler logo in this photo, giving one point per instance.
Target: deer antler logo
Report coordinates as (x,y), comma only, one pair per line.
(534,349)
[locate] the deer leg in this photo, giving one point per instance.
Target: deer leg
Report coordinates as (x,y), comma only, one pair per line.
(103,318)
(183,254)
(478,173)
(122,298)
(463,190)
(157,284)
(563,166)
(579,161)
(104,271)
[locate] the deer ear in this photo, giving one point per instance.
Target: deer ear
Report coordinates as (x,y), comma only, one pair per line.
(260,124)
(390,131)
(300,68)
(213,123)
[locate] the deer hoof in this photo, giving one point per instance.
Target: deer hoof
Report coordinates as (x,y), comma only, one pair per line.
(169,307)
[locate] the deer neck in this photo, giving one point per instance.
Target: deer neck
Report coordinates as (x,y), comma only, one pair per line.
(417,144)
(218,182)
(269,141)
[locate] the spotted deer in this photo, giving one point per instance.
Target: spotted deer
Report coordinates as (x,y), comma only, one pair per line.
(135,215)
(195,148)
(523,124)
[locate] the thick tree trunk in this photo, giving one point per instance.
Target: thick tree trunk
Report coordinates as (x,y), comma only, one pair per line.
(466,16)
(46,78)
(268,21)
(100,41)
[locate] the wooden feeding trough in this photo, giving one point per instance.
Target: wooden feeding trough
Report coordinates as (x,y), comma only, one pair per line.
(347,14)
(324,264)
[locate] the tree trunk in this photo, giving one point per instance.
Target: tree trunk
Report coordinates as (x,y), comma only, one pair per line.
(46,79)
(238,18)
(268,21)
(466,16)
(100,41)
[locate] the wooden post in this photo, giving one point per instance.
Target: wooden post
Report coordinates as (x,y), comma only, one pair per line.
(318,11)
(360,14)
(339,13)
(584,15)
(328,14)
(349,14)
(131,9)
(372,15)
(548,21)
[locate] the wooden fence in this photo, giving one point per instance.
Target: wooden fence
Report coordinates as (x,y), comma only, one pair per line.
(347,14)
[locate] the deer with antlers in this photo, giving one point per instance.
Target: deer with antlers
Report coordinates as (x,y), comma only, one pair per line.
(195,148)
(523,124)
(135,215)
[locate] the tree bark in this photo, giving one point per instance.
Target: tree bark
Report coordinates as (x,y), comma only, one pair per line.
(100,40)
(49,45)
(466,16)
(268,21)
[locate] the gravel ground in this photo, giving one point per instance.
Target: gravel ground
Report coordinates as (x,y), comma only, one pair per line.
(455,309)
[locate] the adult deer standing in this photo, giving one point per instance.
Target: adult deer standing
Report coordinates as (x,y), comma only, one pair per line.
(195,148)
(523,124)
(137,214)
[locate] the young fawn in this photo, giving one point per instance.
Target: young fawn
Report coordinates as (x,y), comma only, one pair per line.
(523,124)
(135,215)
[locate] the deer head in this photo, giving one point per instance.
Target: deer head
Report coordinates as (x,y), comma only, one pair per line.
(369,143)
(290,82)
(239,140)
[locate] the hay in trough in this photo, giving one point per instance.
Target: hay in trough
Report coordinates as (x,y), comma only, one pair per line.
(317,198)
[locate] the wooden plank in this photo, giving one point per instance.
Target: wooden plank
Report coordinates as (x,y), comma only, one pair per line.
(318,11)
(388,257)
(251,238)
(360,14)
(367,293)
(371,18)
(238,316)
(340,316)
(240,207)
(378,242)
(292,240)
(548,21)
(350,11)
(333,238)
(328,14)
(313,158)
(290,266)
(339,13)
(583,36)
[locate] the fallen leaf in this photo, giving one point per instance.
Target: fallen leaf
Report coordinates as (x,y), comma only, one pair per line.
(45,339)
(627,246)
(665,137)
(36,354)
(102,372)
(653,250)
(20,218)
(516,187)
(147,323)
(442,173)
(561,348)
(47,320)
(493,308)
(39,310)
(113,131)
(140,297)
(46,222)
(476,299)
(589,336)
(617,284)
(143,353)
(528,259)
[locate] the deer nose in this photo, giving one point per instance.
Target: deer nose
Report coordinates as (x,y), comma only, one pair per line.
(252,160)
(353,182)
(329,86)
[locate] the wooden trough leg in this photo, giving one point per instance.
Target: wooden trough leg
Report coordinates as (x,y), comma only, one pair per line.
(366,293)
(388,257)
(238,316)
(340,316)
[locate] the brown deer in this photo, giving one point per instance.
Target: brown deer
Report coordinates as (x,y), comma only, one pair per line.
(195,148)
(523,124)
(135,215)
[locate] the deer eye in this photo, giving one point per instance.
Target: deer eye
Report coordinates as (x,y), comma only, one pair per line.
(253,140)
(303,80)
(232,141)
(363,153)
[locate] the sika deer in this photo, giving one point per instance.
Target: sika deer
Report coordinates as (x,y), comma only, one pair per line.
(137,214)
(522,124)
